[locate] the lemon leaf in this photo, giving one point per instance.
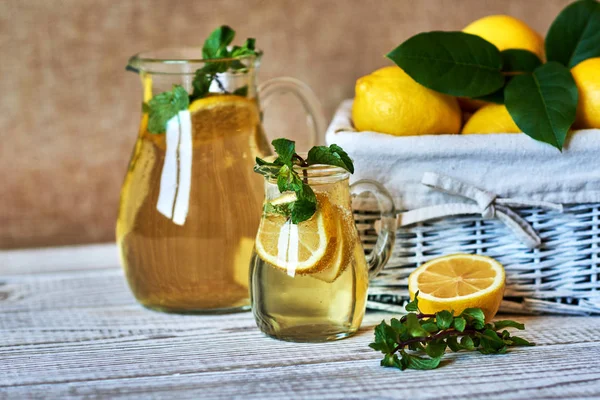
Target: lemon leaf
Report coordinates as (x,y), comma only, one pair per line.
(543,104)
(574,36)
(454,63)
(519,60)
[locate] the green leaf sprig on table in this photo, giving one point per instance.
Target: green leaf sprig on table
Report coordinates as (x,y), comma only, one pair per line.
(402,340)
(288,179)
(541,98)
(164,106)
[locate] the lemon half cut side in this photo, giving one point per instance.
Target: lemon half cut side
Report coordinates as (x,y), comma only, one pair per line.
(457,282)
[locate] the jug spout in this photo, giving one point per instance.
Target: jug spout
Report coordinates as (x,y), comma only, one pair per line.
(133,64)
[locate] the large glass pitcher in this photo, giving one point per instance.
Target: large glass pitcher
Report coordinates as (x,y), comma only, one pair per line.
(190,204)
(309,281)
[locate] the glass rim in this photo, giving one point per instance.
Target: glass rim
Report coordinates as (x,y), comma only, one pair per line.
(142,57)
(317,173)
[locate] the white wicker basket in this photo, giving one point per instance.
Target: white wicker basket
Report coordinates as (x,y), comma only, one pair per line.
(561,275)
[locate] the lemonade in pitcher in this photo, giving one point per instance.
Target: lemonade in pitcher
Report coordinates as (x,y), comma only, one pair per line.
(195,255)
(309,274)
(190,203)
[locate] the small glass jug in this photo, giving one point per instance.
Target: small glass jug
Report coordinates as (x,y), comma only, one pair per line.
(309,281)
(190,203)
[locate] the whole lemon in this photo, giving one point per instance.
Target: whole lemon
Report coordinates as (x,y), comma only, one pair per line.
(389,101)
(492,118)
(506,32)
(587,78)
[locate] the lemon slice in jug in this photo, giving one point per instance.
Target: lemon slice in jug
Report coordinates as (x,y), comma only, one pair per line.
(305,248)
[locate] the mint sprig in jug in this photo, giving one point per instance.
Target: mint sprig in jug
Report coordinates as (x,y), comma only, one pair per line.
(309,275)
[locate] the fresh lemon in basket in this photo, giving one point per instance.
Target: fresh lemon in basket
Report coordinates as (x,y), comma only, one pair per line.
(506,32)
(492,118)
(389,101)
(457,282)
(316,244)
(587,78)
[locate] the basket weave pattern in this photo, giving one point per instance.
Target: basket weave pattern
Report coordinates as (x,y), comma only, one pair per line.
(562,276)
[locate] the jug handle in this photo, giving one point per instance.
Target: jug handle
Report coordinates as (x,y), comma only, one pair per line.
(312,106)
(386,236)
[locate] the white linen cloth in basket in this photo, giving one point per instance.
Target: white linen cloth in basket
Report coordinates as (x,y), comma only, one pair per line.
(508,165)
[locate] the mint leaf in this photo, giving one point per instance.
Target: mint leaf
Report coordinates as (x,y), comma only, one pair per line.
(574,36)
(399,328)
(281,209)
(164,106)
(241,91)
(390,360)
(467,343)
(455,63)
(518,60)
(332,155)
(474,317)
(201,83)
(413,306)
(490,342)
(215,46)
(459,324)
(436,348)
(517,341)
(543,104)
(444,319)
(430,327)
(385,338)
(453,345)
(302,210)
(415,362)
(508,324)
(246,50)
(414,328)
(285,150)
(288,180)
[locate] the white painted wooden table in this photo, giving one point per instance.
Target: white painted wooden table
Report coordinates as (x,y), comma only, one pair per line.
(70,328)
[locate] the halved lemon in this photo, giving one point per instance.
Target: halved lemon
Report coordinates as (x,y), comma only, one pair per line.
(457,282)
(305,248)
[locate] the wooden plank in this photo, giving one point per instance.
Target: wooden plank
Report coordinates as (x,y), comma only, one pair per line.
(54,259)
(226,356)
(64,290)
(80,334)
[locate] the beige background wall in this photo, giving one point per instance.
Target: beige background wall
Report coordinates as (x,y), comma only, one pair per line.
(69,111)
